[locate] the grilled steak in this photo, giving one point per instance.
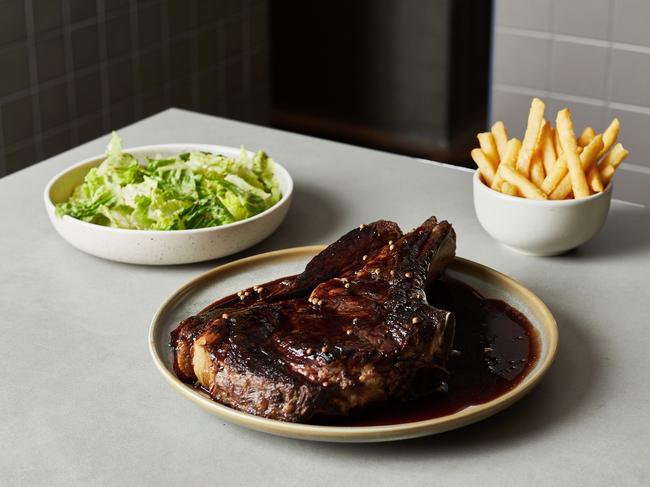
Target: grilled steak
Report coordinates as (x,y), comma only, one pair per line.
(353,329)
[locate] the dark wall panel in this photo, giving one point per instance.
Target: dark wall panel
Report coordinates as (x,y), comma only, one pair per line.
(74,69)
(406,76)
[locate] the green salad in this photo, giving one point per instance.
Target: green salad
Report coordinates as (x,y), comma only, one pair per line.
(190,190)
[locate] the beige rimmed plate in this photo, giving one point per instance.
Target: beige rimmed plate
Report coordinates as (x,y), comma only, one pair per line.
(231,277)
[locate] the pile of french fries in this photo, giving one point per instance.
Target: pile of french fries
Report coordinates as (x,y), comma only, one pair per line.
(551,162)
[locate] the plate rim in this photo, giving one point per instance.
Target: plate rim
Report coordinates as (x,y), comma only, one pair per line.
(398,431)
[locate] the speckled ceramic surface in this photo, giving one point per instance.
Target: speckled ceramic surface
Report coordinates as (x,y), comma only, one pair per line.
(243,273)
(540,227)
(162,247)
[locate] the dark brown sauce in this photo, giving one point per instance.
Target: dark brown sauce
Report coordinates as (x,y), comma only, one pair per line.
(498,347)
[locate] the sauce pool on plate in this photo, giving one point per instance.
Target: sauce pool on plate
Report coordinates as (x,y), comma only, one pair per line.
(495,347)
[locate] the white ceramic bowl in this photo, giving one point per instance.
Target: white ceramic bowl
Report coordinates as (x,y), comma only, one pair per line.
(152,247)
(540,227)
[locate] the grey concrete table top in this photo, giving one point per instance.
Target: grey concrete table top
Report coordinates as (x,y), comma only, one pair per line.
(81,401)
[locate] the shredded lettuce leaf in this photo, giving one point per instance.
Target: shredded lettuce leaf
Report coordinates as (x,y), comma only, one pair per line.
(191,190)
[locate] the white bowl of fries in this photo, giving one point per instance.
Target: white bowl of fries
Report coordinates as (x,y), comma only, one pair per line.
(551,192)
(540,227)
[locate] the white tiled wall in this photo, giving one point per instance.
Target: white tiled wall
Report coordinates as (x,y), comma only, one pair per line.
(590,55)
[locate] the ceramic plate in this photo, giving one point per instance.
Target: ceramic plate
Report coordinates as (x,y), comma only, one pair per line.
(231,277)
(152,247)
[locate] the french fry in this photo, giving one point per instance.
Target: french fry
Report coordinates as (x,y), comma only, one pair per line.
(564,126)
(615,157)
(500,138)
(549,163)
(489,148)
(497,182)
(548,148)
(593,175)
(609,136)
(594,180)
(562,190)
(537,171)
(586,136)
(558,146)
(607,173)
(537,151)
(535,118)
(587,161)
(485,165)
(589,154)
(608,165)
(512,150)
(525,187)
(560,169)
(509,189)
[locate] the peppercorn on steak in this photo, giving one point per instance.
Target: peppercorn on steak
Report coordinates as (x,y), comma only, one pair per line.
(354,329)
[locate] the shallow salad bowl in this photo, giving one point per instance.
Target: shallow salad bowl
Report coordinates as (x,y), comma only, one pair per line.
(154,247)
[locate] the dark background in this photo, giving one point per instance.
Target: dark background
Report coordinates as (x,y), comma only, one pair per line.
(405,76)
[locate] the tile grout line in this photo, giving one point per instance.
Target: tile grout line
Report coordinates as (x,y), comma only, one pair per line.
(194,52)
(630,203)
(227,100)
(33,80)
(609,80)
(166,45)
(246,54)
(491,66)
(521,90)
(586,41)
(135,51)
(637,168)
(103,65)
(551,46)
(622,46)
(222,106)
(69,75)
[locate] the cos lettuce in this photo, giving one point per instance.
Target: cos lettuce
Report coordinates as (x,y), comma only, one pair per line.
(191,190)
